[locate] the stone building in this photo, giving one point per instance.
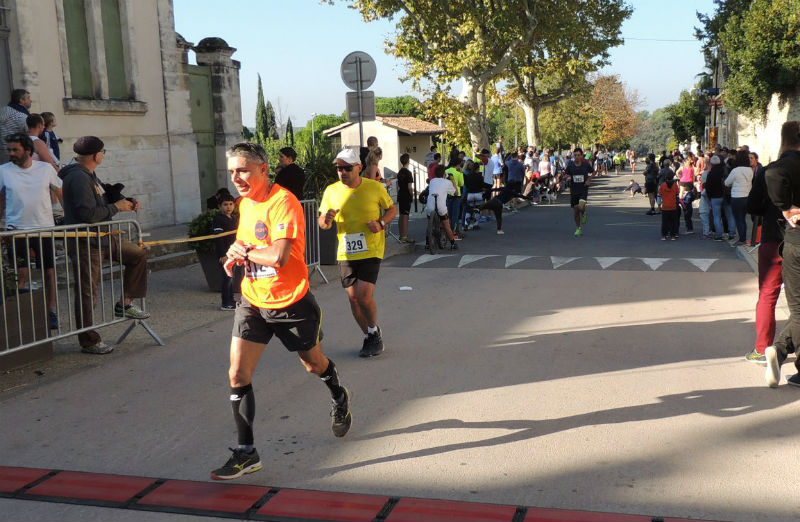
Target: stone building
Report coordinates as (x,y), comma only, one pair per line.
(118,70)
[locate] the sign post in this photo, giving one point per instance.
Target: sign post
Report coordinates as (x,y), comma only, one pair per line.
(358,72)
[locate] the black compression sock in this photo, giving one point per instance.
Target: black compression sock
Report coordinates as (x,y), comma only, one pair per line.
(243,402)
(331,379)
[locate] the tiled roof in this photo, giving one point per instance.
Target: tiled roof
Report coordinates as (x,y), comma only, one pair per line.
(406,124)
(410,124)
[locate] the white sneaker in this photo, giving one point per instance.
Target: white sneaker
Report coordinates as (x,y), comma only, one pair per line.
(773,372)
(500,232)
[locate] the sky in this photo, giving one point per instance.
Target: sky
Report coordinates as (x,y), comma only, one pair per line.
(298,45)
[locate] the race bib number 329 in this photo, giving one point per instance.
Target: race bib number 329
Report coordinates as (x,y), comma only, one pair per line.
(355,243)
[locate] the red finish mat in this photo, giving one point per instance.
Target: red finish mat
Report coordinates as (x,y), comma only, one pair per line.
(91,486)
(323,505)
(204,496)
(423,510)
(264,503)
(12,479)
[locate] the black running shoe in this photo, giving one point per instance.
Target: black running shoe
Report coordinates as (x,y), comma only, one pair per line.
(373,345)
(239,464)
(340,415)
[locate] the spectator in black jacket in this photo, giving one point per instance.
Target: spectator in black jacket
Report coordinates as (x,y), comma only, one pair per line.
(291,176)
(783,187)
(716,192)
(87,202)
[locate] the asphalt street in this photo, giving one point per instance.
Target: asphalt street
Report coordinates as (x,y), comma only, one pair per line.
(602,373)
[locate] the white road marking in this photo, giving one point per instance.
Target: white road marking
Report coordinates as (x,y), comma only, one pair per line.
(702,264)
(561,261)
(606,262)
(470,258)
(513,260)
(654,262)
(426,258)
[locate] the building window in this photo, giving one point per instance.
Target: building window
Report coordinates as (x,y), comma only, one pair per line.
(115,58)
(99,66)
(80,68)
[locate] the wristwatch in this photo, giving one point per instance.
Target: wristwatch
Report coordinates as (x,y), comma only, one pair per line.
(383,225)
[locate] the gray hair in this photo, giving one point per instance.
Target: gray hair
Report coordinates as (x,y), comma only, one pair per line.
(248,150)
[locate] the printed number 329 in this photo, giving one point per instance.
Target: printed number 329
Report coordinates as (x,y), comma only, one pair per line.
(355,245)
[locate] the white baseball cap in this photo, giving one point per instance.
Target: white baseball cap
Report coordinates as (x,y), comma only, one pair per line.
(348,156)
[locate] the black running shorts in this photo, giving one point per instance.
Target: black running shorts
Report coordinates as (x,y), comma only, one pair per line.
(404,205)
(361,269)
(298,326)
(574,198)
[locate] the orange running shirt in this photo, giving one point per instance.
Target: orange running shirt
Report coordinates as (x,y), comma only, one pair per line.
(280,216)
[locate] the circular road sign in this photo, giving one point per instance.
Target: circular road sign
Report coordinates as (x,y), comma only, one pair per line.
(350,66)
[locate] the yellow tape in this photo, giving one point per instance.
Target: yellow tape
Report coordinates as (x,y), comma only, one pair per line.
(187,240)
(46,235)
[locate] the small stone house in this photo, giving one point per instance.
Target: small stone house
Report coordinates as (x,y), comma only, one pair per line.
(397,134)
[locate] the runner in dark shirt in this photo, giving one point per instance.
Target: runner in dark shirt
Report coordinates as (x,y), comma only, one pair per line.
(579,174)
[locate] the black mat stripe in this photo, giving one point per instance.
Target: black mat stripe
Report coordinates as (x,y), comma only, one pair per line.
(146,491)
(260,502)
(519,516)
(386,509)
(36,482)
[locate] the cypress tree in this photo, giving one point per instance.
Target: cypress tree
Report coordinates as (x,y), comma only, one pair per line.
(272,126)
(289,133)
(261,114)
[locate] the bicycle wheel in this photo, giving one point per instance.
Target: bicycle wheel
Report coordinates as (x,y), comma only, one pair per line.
(433,231)
(442,237)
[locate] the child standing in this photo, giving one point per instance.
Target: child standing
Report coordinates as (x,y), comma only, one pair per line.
(225,221)
(49,137)
(670,215)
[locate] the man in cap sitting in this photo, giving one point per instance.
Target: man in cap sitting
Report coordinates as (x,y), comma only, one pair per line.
(86,202)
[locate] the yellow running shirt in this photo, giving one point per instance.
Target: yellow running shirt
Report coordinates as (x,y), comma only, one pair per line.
(458,179)
(356,208)
(262,223)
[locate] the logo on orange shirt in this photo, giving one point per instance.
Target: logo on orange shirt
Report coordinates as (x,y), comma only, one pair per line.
(261,231)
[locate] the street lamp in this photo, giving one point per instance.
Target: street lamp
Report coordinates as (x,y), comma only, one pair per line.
(313,139)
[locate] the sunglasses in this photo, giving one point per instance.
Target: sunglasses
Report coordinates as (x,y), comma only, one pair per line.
(344,168)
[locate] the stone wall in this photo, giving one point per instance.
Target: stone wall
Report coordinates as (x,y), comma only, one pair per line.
(182,152)
(764,137)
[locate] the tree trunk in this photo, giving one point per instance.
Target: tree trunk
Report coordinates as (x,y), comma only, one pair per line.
(532,124)
(476,122)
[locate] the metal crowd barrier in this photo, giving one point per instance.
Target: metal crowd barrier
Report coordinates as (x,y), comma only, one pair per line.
(25,310)
(312,238)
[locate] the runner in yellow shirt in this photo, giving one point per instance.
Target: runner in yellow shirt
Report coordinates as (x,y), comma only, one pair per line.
(361,209)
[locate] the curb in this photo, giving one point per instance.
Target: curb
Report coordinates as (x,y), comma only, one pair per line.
(750,258)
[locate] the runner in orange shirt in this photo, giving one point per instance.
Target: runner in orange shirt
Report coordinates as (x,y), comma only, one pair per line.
(270,243)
